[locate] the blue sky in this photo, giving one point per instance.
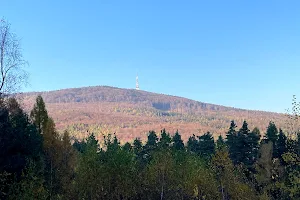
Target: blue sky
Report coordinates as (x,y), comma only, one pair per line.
(243,54)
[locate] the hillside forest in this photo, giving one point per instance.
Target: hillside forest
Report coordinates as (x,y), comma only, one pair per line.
(39,162)
(132,113)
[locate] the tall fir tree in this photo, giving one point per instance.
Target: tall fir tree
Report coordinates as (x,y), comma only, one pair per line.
(39,114)
(220,142)
(152,141)
(272,133)
(253,145)
(281,145)
(231,142)
(247,144)
(177,142)
(192,144)
(206,145)
(165,139)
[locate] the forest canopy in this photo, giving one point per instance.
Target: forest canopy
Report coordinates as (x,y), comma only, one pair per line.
(38,162)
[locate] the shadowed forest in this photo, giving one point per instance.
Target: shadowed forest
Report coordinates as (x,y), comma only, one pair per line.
(37,162)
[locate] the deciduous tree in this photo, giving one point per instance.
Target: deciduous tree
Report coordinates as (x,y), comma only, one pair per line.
(12,63)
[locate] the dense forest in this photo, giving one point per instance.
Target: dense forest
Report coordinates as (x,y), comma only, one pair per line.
(38,162)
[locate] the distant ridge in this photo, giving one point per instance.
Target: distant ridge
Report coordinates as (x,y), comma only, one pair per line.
(100,91)
(130,110)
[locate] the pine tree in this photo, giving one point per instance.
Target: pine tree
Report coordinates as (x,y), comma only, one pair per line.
(177,141)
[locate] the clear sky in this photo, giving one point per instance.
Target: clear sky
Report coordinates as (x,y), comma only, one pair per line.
(243,54)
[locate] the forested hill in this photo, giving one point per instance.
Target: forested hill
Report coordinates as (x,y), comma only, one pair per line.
(131,113)
(113,94)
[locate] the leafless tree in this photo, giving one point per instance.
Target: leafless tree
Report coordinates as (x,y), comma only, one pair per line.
(12,64)
(293,119)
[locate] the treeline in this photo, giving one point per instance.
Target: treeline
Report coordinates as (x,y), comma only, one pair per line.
(36,162)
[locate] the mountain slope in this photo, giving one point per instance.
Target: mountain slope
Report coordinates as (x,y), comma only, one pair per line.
(132,113)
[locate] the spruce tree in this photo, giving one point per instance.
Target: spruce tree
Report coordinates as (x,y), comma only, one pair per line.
(242,145)
(39,114)
(272,133)
(137,146)
(152,141)
(177,141)
(281,145)
(220,142)
(253,144)
(247,144)
(192,144)
(165,139)
(231,141)
(206,145)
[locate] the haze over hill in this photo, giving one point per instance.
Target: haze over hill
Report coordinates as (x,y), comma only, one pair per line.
(132,113)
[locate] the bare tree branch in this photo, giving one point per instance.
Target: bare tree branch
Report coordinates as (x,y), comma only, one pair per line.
(12,63)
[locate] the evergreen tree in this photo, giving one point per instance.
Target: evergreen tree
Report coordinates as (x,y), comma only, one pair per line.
(19,139)
(152,141)
(177,141)
(88,179)
(127,146)
(165,139)
(253,145)
(231,141)
(192,144)
(39,114)
(281,145)
(206,145)
(118,169)
(137,146)
(247,145)
(31,185)
(272,133)
(220,142)
(20,144)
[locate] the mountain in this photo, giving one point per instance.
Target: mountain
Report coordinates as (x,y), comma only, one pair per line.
(132,113)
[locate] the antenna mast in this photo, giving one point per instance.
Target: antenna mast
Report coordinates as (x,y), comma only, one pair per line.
(137,87)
